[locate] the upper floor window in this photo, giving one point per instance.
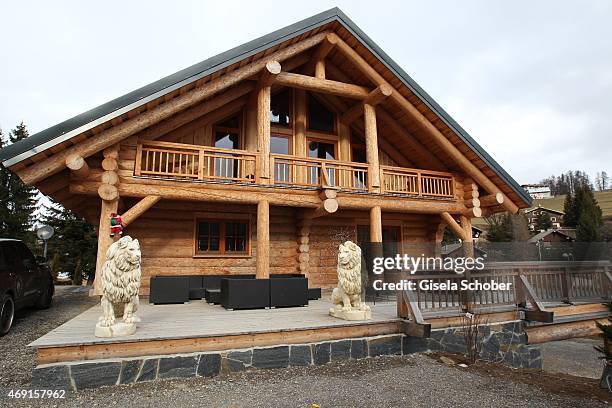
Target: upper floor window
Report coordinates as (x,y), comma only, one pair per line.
(280,108)
(227,133)
(319,117)
(280,144)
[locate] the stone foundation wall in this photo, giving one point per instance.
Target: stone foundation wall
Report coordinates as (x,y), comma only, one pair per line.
(499,343)
(502,343)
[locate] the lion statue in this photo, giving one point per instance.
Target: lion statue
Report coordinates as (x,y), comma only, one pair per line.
(120,282)
(346,298)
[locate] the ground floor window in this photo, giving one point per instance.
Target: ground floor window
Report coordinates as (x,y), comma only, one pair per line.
(218,237)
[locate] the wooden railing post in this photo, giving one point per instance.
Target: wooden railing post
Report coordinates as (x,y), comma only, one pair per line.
(566,285)
(520,297)
(324,182)
(271,170)
(138,164)
(257,167)
(201,164)
(419,185)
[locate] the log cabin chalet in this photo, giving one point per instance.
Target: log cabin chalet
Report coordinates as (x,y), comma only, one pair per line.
(261,159)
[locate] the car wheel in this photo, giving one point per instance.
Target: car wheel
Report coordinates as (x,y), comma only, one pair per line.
(7,313)
(45,299)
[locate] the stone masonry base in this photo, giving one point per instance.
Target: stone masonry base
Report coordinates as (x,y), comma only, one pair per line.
(502,343)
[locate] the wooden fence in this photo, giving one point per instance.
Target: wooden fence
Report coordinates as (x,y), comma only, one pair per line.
(533,283)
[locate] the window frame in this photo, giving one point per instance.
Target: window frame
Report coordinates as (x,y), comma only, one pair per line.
(319,139)
(285,129)
(217,128)
(222,219)
(289,138)
(315,131)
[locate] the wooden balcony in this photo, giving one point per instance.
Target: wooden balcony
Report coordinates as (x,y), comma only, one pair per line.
(183,161)
(202,163)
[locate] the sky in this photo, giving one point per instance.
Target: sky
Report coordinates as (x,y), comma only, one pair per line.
(530,81)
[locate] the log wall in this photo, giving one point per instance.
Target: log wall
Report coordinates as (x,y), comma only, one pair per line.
(167,238)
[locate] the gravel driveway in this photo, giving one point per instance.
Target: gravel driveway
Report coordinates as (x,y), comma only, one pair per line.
(16,359)
(417,381)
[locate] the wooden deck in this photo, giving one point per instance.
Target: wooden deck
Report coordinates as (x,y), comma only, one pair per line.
(198,326)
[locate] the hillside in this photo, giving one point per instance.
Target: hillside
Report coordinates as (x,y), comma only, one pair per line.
(604,199)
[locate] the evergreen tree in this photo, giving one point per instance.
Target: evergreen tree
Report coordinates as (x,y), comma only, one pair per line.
(570,218)
(449,237)
(73,246)
(543,221)
(520,227)
(500,228)
(17,201)
(588,227)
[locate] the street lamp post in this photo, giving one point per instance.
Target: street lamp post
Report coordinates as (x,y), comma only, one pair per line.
(45,232)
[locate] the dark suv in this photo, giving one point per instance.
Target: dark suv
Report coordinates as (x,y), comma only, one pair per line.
(23,282)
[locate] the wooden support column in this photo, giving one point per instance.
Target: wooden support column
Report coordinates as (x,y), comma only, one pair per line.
(263,240)
(110,202)
(299,140)
(251,138)
(371,140)
(263,132)
(375,224)
(468,241)
(320,69)
(318,56)
(344,142)
(268,76)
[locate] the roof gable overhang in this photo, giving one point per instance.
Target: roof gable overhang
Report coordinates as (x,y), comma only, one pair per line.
(19,152)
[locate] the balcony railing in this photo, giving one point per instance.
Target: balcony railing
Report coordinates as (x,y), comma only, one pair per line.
(418,182)
(176,160)
(307,172)
(193,162)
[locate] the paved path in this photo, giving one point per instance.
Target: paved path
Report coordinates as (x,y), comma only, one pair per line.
(575,357)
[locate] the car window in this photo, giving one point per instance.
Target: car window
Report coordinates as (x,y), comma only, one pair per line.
(12,255)
(3,264)
(25,254)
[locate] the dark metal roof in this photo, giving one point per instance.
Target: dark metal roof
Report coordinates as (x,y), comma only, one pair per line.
(41,141)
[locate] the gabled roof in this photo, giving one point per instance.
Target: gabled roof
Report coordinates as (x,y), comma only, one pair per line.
(567,233)
(86,121)
(539,207)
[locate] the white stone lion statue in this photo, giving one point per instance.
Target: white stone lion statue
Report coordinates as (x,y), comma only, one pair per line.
(120,283)
(346,298)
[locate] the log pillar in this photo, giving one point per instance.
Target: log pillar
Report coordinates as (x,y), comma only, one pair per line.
(263,132)
(300,145)
(320,69)
(251,135)
(468,241)
(263,240)
(371,140)
(375,225)
(268,76)
(109,196)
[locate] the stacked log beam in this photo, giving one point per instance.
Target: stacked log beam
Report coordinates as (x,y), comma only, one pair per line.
(303,240)
(109,194)
(470,199)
